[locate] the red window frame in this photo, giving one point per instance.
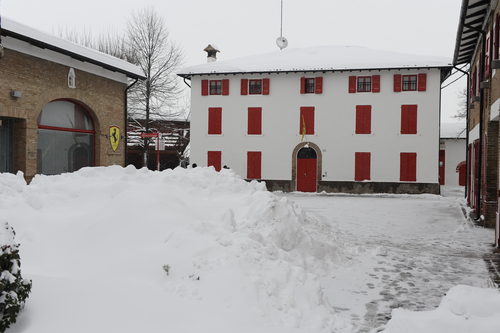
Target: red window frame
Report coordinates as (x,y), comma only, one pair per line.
(254,165)
(214,121)
(255,87)
(362,166)
(254,121)
(364,84)
(409,82)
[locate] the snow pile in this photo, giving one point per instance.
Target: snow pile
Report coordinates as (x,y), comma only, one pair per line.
(120,249)
(463,309)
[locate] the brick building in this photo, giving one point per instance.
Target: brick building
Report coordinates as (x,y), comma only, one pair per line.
(478,46)
(332,118)
(62,106)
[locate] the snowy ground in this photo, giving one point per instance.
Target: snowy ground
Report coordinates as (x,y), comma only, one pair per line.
(239,258)
(404,251)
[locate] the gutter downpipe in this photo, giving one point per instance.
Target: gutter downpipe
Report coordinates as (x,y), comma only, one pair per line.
(125,113)
(481,111)
(467,74)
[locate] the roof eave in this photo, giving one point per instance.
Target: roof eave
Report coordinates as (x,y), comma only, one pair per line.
(43,45)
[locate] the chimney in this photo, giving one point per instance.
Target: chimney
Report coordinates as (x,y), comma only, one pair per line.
(211,53)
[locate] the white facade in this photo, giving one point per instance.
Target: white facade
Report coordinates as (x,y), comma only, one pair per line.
(334,125)
(453,143)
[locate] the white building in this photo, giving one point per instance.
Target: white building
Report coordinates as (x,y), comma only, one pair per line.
(339,119)
(452,155)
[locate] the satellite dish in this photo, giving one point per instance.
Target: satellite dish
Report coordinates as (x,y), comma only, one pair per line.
(282,42)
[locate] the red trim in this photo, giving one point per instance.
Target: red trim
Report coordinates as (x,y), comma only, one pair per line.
(64,129)
(397,82)
(375,83)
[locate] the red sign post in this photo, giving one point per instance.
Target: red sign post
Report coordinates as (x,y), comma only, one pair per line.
(145,135)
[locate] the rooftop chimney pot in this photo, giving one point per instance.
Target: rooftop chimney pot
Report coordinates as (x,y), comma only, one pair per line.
(211,53)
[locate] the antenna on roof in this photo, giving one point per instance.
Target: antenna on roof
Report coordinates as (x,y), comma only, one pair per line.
(281,41)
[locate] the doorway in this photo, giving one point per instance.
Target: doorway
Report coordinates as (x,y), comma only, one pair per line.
(307,168)
(6,144)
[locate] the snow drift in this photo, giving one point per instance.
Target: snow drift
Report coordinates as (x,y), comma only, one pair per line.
(123,250)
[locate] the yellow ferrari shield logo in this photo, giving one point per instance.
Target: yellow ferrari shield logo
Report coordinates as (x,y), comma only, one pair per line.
(114,137)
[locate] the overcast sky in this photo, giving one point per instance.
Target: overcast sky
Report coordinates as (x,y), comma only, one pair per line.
(246,27)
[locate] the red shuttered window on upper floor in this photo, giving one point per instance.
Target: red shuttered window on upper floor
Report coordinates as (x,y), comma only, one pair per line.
(408,119)
(363,119)
(413,82)
(362,166)
(214,120)
(364,84)
(215,87)
(311,85)
(255,86)
(254,165)
(214,158)
(306,120)
(408,167)
(254,121)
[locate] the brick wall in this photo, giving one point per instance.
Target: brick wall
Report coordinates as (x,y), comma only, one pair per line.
(41,82)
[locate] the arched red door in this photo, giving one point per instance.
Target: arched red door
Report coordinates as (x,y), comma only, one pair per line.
(462,169)
(307,166)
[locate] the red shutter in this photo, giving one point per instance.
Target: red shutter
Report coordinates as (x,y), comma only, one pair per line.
(363,119)
(214,159)
(214,120)
(352,84)
(408,119)
(319,85)
(204,87)
(302,85)
(254,121)
(254,165)
(422,82)
(375,83)
(307,120)
(362,166)
(497,37)
(244,86)
(408,167)
(265,86)
(397,82)
(225,87)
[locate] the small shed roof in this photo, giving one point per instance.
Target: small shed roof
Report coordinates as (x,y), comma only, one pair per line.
(44,40)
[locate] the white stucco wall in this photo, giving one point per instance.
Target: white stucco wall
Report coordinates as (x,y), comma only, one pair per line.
(454,154)
(334,125)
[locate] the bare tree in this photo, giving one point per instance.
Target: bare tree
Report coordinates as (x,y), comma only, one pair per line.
(153,50)
(462,104)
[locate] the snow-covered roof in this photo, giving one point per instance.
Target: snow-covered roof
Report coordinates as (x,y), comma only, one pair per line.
(321,58)
(453,131)
(44,40)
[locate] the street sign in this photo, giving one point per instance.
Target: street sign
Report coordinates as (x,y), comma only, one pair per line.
(149,135)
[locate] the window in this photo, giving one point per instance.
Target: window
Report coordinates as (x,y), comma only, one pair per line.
(408,119)
(409,83)
(362,166)
(306,120)
(214,120)
(363,119)
(255,87)
(215,87)
(214,159)
(310,85)
(364,84)
(408,167)
(254,121)
(65,138)
(254,165)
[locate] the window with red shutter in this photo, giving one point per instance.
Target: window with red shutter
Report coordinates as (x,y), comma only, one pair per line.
(397,82)
(408,167)
(364,84)
(497,37)
(265,86)
(244,86)
(254,165)
(215,87)
(214,159)
(362,166)
(204,87)
(306,120)
(319,85)
(225,87)
(363,119)
(408,119)
(254,121)
(410,83)
(214,120)
(352,84)
(376,83)
(422,82)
